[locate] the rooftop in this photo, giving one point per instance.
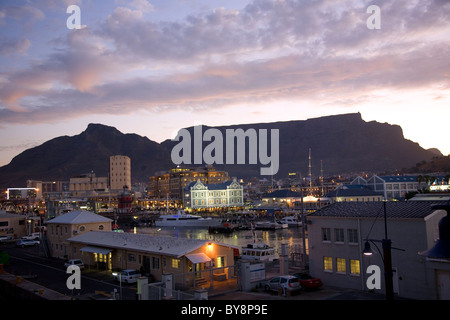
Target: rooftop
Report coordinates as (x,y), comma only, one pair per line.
(394,209)
(284,193)
(79,216)
(141,242)
(352,191)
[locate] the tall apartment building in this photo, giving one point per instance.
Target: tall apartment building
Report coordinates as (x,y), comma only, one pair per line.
(119,172)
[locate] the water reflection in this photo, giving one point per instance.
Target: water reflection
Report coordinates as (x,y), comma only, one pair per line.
(291,236)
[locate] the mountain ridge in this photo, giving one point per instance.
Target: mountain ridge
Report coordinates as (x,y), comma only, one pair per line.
(345,143)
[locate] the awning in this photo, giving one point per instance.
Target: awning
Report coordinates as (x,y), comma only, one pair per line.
(198,257)
(92,249)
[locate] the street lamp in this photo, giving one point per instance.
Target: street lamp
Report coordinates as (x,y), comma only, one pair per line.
(386,256)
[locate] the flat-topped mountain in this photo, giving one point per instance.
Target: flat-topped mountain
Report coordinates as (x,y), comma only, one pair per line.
(345,144)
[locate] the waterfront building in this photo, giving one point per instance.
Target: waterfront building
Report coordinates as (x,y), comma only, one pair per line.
(119,172)
(186,259)
(67,225)
(337,235)
(227,194)
(353,192)
(171,184)
(285,198)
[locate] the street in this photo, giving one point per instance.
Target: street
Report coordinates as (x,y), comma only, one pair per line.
(30,263)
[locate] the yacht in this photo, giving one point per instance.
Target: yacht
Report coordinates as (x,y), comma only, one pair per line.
(292,221)
(268,225)
(182,219)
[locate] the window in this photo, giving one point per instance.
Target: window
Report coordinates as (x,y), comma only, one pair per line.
(340,265)
(326,234)
(220,262)
(354,267)
(131,257)
(339,235)
(155,263)
(328,264)
(175,263)
(100,227)
(352,235)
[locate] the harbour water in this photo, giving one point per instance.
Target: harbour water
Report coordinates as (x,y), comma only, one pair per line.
(293,237)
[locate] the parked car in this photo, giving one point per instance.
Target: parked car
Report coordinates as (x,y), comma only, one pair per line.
(5,238)
(74,262)
(127,276)
(308,282)
(283,282)
(26,243)
(33,236)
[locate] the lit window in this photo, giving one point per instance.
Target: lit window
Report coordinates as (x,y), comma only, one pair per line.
(220,262)
(327,264)
(175,263)
(340,265)
(354,267)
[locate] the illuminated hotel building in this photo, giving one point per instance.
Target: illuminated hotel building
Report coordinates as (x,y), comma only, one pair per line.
(207,196)
(170,184)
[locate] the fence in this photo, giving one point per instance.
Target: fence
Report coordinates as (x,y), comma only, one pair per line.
(183,286)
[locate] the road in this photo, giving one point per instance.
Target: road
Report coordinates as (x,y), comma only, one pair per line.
(29,262)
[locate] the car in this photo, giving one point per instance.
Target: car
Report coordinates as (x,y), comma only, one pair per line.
(26,243)
(74,262)
(127,276)
(5,238)
(307,281)
(33,236)
(283,282)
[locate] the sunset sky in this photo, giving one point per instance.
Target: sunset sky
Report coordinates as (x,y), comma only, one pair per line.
(153,67)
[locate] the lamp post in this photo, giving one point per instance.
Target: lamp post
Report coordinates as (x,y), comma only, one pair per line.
(386,256)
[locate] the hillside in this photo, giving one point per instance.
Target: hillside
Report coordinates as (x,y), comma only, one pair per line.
(345,143)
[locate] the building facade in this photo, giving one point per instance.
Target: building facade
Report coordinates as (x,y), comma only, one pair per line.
(187,259)
(171,184)
(119,172)
(209,196)
(337,235)
(71,224)
(85,184)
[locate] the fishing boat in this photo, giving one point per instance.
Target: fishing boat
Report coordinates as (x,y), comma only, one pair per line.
(182,219)
(258,251)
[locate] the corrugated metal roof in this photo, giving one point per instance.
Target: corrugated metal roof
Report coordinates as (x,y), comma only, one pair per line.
(79,216)
(394,209)
(141,242)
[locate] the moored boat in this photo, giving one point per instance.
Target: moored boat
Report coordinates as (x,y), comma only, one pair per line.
(183,219)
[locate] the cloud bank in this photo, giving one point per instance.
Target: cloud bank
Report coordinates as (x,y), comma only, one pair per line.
(127,60)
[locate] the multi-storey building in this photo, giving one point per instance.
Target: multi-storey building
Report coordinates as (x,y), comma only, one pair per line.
(119,172)
(337,235)
(86,183)
(172,183)
(207,196)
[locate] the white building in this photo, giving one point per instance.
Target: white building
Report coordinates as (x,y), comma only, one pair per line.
(119,172)
(221,195)
(337,235)
(391,187)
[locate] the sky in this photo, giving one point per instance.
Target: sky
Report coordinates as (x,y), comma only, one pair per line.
(153,67)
